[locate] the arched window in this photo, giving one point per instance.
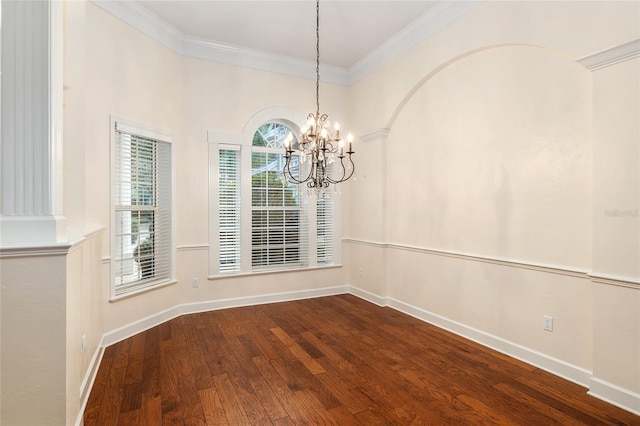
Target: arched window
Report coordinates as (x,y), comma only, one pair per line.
(264,221)
(279,219)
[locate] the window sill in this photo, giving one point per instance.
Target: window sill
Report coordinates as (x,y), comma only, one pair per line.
(275,271)
(136,292)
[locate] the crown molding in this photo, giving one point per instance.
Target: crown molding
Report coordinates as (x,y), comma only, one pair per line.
(134,14)
(140,18)
(375,134)
(256,59)
(611,56)
(436,18)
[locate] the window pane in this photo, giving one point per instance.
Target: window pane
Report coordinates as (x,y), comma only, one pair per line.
(272,135)
(259,197)
(276,218)
(275,197)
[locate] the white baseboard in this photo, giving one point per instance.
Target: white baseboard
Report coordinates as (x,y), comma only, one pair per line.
(192,308)
(87,382)
(151,321)
(615,395)
(368,296)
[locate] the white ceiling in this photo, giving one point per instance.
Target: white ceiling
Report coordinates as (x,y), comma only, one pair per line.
(349,29)
(356,36)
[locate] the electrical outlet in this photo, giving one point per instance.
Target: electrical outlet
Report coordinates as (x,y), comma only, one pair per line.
(548,323)
(84,343)
(195,283)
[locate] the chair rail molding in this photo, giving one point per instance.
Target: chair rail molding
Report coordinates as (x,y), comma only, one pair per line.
(513,263)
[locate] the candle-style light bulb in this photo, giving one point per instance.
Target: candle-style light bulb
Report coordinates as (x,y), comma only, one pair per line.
(350,139)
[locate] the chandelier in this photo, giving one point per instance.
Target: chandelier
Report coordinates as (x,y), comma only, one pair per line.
(318,146)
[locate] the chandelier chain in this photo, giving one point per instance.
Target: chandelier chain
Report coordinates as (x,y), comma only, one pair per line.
(318,148)
(317,57)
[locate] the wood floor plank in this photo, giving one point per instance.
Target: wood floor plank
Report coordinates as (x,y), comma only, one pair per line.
(212,407)
(279,386)
(351,400)
(130,418)
(100,386)
(151,409)
(297,351)
(263,343)
(537,408)
(229,400)
(270,402)
(109,413)
(151,364)
(330,360)
(313,411)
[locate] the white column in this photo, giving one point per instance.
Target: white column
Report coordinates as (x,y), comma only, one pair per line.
(30,147)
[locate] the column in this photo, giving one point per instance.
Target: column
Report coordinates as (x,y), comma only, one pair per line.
(30,147)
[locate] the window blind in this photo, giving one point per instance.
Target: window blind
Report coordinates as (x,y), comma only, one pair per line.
(279,219)
(229,210)
(142,204)
(324,230)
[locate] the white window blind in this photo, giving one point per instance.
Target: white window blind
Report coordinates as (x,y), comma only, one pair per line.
(279,218)
(142,212)
(229,210)
(324,230)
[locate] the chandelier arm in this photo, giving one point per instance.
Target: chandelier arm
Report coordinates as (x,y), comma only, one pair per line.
(344,176)
(353,168)
(286,171)
(342,179)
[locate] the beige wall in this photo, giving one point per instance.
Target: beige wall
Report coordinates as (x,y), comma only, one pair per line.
(502,155)
(616,223)
(83,318)
(34,347)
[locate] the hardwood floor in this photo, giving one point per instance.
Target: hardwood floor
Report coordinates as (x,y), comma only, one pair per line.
(333,360)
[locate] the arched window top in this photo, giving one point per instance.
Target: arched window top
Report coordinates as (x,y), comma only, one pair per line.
(272,135)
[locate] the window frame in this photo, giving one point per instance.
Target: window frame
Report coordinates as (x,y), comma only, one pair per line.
(244,143)
(119,125)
